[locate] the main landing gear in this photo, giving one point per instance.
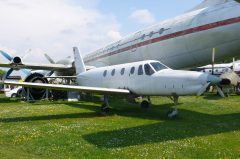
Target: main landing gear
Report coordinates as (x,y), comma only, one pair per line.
(146,103)
(105,106)
(174,112)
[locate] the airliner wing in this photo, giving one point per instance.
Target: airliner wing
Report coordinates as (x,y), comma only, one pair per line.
(51,67)
(68,87)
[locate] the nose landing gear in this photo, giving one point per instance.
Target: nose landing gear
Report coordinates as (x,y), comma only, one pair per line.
(174,112)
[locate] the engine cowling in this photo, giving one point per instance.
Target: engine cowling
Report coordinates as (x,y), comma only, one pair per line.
(35,92)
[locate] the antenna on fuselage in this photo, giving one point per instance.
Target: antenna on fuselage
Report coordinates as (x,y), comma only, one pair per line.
(79,64)
(233,64)
(213,59)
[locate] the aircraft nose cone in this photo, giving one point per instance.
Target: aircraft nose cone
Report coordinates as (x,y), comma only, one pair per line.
(213,79)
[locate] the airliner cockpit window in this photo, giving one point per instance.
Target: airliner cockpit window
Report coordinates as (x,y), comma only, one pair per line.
(158,66)
(148,70)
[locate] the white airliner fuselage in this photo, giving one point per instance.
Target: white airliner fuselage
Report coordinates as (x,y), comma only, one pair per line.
(182,42)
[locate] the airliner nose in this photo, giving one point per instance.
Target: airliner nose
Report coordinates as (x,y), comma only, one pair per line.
(213,79)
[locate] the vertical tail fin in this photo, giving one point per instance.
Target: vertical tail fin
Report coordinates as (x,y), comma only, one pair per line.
(79,64)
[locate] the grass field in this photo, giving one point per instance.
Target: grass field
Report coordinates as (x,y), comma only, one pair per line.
(207,127)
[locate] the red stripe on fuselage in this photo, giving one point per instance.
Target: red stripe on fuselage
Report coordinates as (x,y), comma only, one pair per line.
(170,36)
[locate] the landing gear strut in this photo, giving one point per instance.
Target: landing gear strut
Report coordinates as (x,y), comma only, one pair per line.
(105,106)
(146,103)
(174,112)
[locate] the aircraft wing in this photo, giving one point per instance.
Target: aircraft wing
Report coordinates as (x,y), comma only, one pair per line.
(68,87)
(51,67)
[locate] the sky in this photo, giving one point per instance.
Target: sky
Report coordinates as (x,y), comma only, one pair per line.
(30,28)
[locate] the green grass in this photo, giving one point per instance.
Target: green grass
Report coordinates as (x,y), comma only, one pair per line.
(207,127)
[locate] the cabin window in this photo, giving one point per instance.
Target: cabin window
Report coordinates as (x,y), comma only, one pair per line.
(105,73)
(113,72)
(140,70)
(151,34)
(132,70)
(161,31)
(122,71)
(143,37)
(148,70)
(158,66)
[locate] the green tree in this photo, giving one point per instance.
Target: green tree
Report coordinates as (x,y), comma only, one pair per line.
(2,72)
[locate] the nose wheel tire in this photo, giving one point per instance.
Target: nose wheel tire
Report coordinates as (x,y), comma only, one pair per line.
(172,114)
(14,95)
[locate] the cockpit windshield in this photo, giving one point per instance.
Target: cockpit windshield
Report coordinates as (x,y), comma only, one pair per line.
(158,66)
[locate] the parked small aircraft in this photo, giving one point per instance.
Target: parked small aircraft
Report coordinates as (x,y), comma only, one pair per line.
(229,71)
(219,69)
(144,78)
(40,73)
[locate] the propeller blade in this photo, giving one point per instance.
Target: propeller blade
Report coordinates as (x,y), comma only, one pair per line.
(26,72)
(26,54)
(220,92)
(203,89)
(50,73)
(6,55)
(213,59)
(233,64)
(49,59)
(7,74)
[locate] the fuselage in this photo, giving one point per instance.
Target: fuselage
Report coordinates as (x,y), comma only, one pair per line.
(182,42)
(219,69)
(145,78)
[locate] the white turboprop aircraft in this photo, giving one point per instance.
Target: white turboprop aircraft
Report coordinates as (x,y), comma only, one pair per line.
(221,68)
(148,78)
(182,42)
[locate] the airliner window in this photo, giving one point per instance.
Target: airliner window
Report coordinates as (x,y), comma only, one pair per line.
(151,34)
(148,70)
(113,72)
(143,36)
(132,70)
(122,71)
(158,66)
(140,70)
(105,73)
(161,31)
